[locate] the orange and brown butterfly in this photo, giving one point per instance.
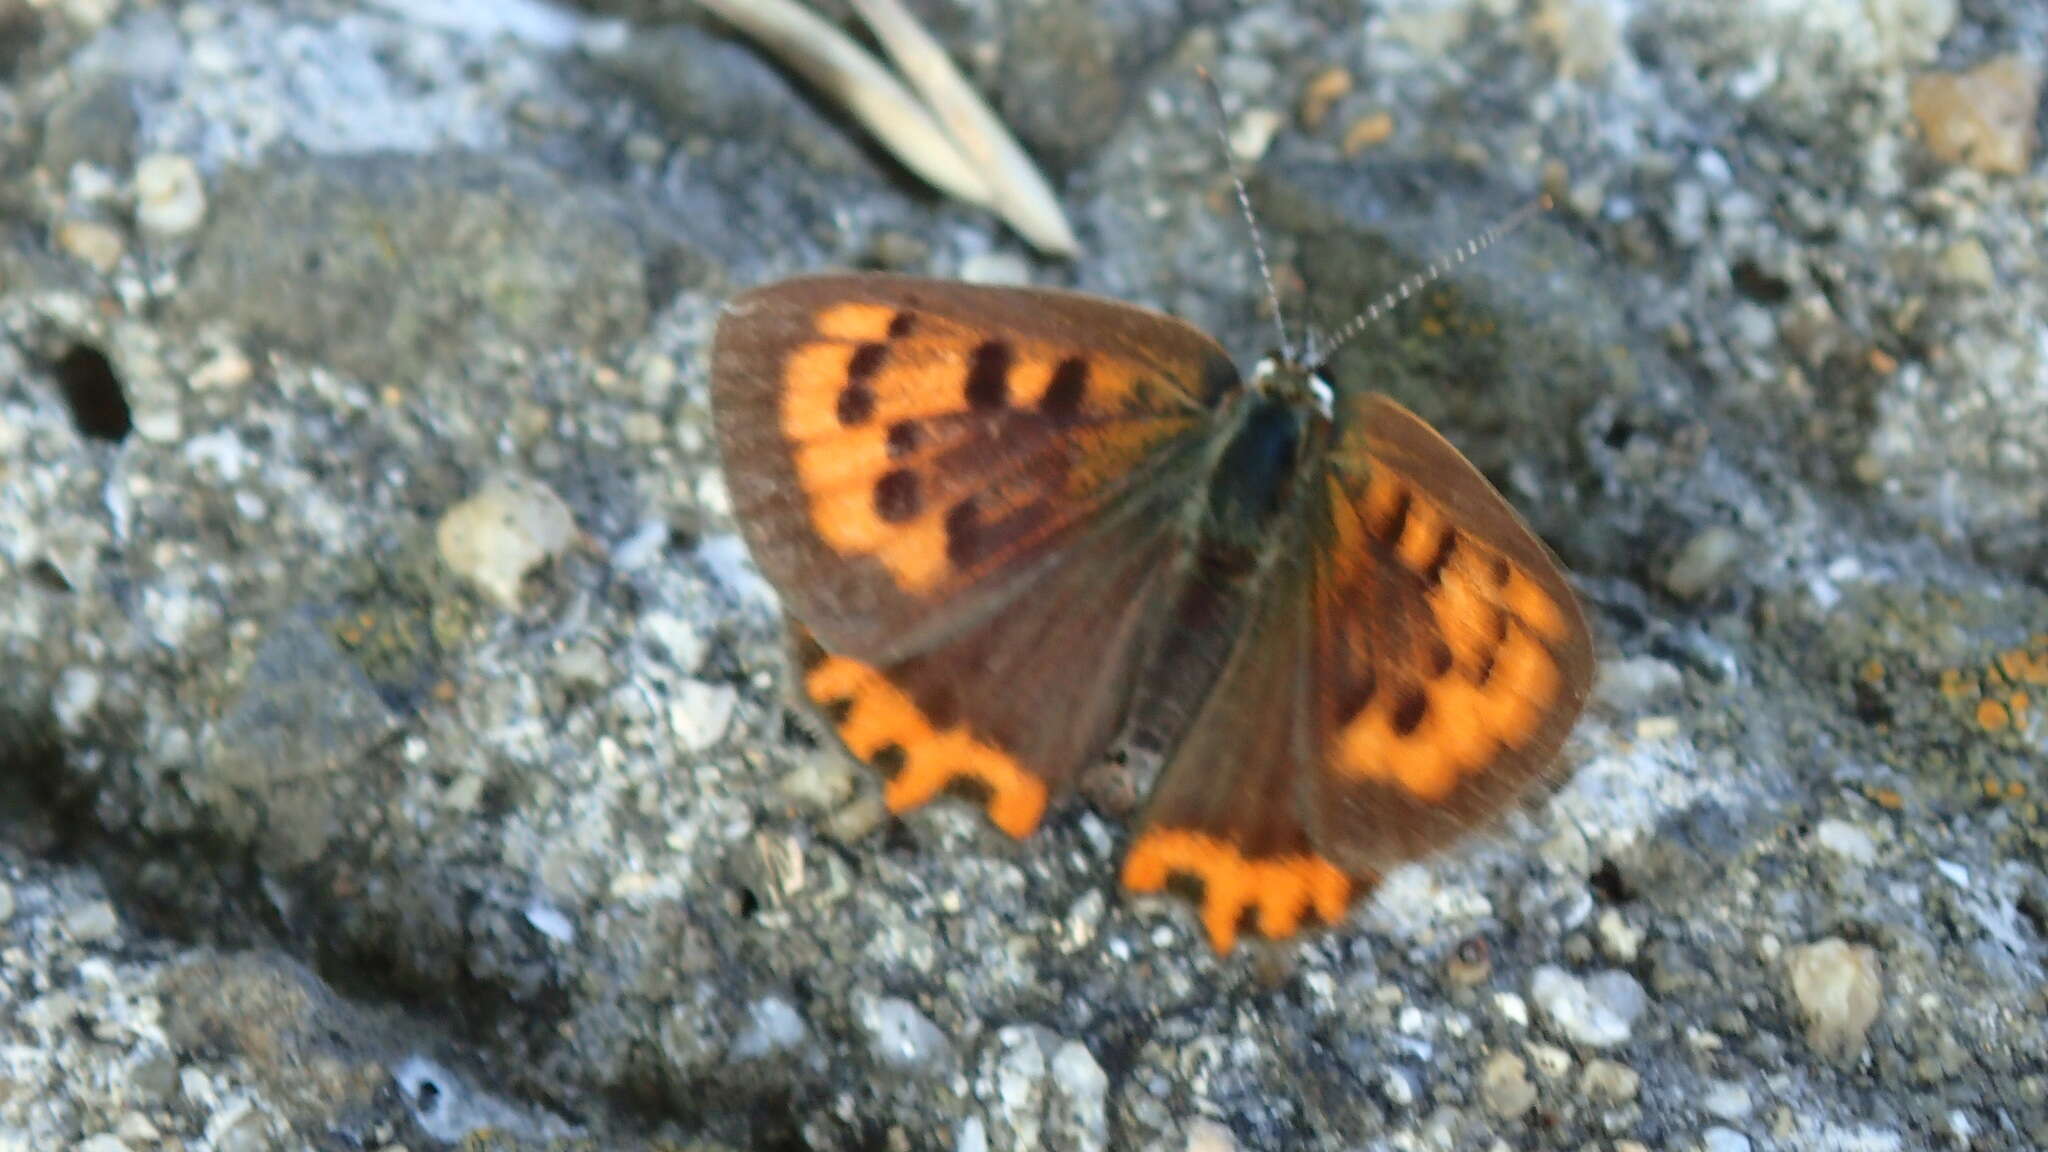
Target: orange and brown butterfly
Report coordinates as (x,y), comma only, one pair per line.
(1017,531)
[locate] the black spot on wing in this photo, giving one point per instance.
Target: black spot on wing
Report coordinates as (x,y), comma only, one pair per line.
(904,438)
(1064,395)
(889,760)
(964,535)
(1409,710)
(898,497)
(988,375)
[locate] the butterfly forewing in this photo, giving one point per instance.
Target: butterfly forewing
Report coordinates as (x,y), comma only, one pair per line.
(1449,652)
(904,454)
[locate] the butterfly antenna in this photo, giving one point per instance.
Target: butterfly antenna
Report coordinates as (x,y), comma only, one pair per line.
(1244,204)
(1431,274)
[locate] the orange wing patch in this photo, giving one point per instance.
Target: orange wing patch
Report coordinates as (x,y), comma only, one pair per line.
(921,759)
(1479,676)
(882,403)
(1276,894)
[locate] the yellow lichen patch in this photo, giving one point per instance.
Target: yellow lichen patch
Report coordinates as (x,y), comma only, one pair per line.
(1886,798)
(2024,666)
(1996,696)
(1280,892)
(1872,671)
(884,727)
(1957,684)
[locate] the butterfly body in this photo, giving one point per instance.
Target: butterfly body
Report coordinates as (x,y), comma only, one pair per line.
(1018,529)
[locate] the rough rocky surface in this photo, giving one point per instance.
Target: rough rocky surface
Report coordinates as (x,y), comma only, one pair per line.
(311,841)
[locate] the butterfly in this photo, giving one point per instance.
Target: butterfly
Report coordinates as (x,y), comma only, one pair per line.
(1017,531)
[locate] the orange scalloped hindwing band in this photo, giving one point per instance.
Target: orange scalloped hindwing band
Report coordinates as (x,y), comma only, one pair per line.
(943,452)
(921,756)
(1276,896)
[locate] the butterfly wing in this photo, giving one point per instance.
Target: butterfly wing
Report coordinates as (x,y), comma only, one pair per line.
(967,495)
(1224,817)
(903,455)
(1412,663)
(1450,652)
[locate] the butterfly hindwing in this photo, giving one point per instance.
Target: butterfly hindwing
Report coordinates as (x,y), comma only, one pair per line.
(1449,652)
(904,454)
(1224,818)
(1012,705)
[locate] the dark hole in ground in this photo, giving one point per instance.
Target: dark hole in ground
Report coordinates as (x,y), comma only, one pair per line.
(98,407)
(1609,884)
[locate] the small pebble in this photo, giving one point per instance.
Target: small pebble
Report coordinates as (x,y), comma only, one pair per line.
(1839,987)
(1599,1011)
(1504,1085)
(701,713)
(95,244)
(1396,1086)
(1209,1136)
(92,923)
(685,642)
(1609,1081)
(901,1036)
(1253,133)
(1705,563)
(1321,94)
(1550,1061)
(772,1026)
(1718,1139)
(170,198)
(1847,841)
(76,696)
(1620,941)
(1983,118)
(6,902)
(1727,1100)
(1006,268)
(508,529)
(1632,683)
(101,1143)
(1966,264)
(1369,131)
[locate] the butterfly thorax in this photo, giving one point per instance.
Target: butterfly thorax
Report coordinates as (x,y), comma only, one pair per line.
(1273,432)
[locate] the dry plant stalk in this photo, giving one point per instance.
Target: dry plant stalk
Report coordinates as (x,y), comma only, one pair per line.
(964,151)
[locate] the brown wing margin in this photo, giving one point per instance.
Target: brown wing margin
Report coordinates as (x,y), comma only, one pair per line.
(1450,653)
(905,455)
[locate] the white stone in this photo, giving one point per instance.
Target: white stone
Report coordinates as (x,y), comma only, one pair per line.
(170,197)
(701,713)
(1839,987)
(509,528)
(1847,841)
(1599,1012)
(901,1036)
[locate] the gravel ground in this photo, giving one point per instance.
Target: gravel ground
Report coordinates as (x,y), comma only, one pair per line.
(394,753)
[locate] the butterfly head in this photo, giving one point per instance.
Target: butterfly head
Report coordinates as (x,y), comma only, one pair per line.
(1284,377)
